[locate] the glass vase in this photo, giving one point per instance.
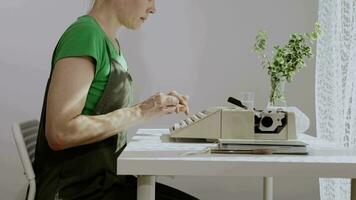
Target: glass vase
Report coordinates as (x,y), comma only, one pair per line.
(277,98)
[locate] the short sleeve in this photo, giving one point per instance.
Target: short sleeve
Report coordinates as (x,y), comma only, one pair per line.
(80,40)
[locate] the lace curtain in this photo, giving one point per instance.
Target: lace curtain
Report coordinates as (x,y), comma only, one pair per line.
(335,87)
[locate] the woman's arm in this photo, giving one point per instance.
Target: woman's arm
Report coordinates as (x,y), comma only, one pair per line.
(66,127)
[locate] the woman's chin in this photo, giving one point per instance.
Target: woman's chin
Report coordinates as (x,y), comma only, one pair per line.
(134,27)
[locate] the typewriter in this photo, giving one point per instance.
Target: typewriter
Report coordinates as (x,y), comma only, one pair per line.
(239,124)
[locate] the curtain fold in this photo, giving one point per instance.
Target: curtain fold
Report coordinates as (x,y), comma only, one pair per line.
(335,84)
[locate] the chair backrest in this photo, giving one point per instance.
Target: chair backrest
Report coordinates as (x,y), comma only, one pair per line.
(25,135)
(353,189)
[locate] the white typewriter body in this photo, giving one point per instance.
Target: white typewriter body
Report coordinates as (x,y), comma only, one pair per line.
(237,124)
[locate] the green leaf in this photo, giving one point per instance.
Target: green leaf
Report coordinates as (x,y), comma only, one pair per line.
(289,58)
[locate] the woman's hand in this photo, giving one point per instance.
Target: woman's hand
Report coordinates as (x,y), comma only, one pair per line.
(162,104)
(183,102)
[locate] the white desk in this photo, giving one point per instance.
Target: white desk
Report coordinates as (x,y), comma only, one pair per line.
(150,154)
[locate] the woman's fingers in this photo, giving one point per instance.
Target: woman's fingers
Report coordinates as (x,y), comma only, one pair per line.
(183,108)
(182,99)
(168,100)
(186,97)
(186,111)
(169,109)
(171,102)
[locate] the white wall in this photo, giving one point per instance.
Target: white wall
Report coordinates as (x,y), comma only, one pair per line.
(201,48)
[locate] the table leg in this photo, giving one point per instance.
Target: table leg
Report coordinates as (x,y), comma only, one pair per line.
(267,188)
(146,187)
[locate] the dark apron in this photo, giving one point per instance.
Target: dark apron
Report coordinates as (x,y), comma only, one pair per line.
(87,171)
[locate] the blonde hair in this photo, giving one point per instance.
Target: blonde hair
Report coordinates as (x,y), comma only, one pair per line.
(91,3)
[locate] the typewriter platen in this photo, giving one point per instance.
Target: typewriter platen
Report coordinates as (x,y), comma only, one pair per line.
(237,123)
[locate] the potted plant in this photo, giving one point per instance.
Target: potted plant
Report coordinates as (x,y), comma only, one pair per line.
(286,60)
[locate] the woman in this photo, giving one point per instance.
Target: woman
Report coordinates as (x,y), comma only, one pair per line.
(87,108)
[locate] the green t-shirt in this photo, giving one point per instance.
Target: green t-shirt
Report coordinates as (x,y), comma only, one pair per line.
(85,37)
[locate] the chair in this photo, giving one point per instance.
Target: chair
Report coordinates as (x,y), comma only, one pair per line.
(353,189)
(25,135)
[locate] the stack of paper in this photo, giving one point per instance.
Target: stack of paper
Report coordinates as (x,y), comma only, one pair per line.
(260,147)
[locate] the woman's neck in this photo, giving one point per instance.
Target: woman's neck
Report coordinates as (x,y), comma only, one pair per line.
(107,19)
